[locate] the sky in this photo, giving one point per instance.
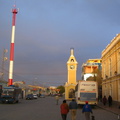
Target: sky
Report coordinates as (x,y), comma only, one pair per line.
(45,32)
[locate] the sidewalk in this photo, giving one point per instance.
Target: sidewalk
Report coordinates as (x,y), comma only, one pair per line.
(114,108)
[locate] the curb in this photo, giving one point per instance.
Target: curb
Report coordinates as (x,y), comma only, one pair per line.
(108,110)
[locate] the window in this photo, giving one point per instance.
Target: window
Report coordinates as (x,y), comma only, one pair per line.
(104,71)
(110,73)
(118,61)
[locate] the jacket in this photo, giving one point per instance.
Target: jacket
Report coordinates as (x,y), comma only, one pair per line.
(86,108)
(73,105)
(64,108)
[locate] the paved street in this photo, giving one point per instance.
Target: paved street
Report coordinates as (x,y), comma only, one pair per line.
(45,109)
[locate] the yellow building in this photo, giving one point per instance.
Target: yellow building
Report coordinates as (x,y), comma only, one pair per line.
(111,69)
(71,83)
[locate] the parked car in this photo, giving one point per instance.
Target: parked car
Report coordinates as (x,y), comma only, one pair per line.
(29,97)
(42,96)
(7,99)
(35,96)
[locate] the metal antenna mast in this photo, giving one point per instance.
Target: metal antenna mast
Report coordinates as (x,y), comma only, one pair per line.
(14,11)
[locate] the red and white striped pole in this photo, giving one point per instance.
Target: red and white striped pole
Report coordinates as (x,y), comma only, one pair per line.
(10,81)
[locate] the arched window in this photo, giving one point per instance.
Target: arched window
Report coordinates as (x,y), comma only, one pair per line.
(72,60)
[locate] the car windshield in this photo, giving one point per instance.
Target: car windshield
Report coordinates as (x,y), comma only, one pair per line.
(30,95)
(34,95)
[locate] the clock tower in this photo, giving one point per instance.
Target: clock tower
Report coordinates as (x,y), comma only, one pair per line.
(72,70)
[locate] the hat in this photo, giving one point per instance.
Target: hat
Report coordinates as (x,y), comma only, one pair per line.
(86,102)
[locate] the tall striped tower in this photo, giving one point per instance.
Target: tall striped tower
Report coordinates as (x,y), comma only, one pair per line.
(10,81)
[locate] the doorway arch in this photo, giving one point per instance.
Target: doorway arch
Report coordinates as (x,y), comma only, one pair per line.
(71,93)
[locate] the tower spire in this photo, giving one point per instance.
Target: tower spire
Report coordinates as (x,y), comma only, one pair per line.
(72,51)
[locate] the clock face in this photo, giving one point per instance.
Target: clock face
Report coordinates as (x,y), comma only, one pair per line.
(72,67)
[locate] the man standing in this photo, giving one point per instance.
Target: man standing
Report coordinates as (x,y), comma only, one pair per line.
(110,100)
(87,110)
(73,109)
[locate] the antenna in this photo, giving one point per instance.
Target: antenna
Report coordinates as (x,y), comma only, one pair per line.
(14,11)
(14,4)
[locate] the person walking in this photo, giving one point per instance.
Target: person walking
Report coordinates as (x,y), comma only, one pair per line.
(64,110)
(87,110)
(104,100)
(57,99)
(73,109)
(110,100)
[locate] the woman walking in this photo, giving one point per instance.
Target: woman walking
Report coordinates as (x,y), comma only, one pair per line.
(64,110)
(104,100)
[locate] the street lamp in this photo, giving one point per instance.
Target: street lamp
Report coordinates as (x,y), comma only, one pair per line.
(3,62)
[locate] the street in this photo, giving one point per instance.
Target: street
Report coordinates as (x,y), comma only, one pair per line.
(45,109)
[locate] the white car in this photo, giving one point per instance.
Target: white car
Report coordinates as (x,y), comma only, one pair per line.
(35,96)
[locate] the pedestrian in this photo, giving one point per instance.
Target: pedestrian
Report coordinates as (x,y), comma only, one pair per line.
(104,100)
(73,109)
(64,110)
(110,100)
(87,110)
(57,99)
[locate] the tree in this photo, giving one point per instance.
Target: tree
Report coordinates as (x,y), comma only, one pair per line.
(62,89)
(96,77)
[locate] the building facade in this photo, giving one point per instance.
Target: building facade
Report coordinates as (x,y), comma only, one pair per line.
(71,83)
(111,69)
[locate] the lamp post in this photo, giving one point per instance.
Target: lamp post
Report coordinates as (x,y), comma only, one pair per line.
(3,62)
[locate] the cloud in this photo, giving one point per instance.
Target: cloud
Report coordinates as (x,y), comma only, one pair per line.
(46,30)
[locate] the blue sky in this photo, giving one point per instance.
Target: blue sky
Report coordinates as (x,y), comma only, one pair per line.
(47,29)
